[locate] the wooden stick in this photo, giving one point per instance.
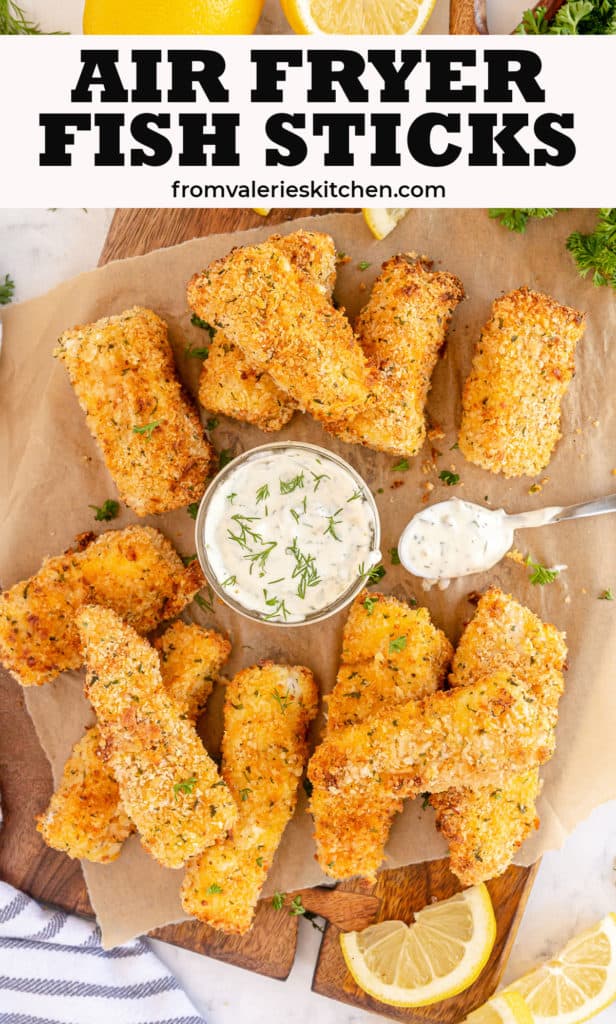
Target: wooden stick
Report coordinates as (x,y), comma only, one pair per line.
(348,911)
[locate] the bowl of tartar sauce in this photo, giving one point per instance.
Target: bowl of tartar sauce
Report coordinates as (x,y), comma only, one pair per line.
(287,533)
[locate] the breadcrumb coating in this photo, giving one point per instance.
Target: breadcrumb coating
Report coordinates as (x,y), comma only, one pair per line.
(85,817)
(285,325)
(391,654)
(268,709)
(124,375)
(522,367)
(135,571)
(168,784)
(473,735)
(401,329)
(484,827)
(229,385)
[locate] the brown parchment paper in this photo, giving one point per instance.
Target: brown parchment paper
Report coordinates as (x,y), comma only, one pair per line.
(50,471)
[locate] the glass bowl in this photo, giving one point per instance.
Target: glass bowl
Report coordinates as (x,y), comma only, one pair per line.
(373,556)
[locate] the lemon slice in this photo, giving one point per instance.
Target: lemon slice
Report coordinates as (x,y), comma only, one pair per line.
(506,1008)
(578,983)
(358,17)
(439,955)
(262,210)
(382,222)
(182,17)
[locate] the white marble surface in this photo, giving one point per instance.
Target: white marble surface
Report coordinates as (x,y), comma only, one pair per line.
(65,15)
(576,885)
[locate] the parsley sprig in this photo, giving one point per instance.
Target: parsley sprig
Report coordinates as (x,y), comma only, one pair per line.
(108,510)
(7,287)
(596,253)
(540,574)
(575,18)
(516,220)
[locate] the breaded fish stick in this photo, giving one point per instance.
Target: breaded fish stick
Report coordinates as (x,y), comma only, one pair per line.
(268,709)
(484,827)
(85,817)
(522,367)
(391,654)
(123,373)
(168,784)
(473,735)
(229,385)
(135,571)
(401,329)
(285,325)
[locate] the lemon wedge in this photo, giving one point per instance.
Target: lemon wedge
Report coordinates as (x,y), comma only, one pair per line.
(506,1008)
(382,222)
(358,17)
(439,955)
(262,210)
(576,984)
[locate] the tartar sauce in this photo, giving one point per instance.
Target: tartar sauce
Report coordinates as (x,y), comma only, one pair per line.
(288,531)
(454,538)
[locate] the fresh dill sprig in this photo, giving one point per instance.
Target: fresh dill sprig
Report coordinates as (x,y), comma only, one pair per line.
(332,523)
(305,569)
(317,477)
(278,607)
(263,493)
(13,22)
(259,558)
(246,532)
(288,486)
(516,220)
(596,253)
(373,575)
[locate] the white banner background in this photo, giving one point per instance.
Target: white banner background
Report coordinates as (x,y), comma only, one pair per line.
(37,75)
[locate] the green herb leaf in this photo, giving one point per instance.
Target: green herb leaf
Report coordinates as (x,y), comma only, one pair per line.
(108,510)
(540,574)
(278,900)
(369,604)
(192,509)
(288,486)
(297,908)
(148,429)
(397,644)
(425,800)
(214,889)
(13,22)
(607,595)
(225,457)
(363,264)
(188,559)
(516,220)
(8,287)
(373,575)
(596,253)
(185,786)
(449,478)
(212,423)
(196,321)
(574,18)
(401,466)
(395,557)
(205,604)
(263,493)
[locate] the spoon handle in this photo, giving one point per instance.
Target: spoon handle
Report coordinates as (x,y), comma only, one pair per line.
(587,508)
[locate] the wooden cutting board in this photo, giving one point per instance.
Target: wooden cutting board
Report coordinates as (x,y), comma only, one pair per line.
(269,948)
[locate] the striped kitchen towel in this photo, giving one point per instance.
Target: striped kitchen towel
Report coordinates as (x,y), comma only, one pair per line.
(54,971)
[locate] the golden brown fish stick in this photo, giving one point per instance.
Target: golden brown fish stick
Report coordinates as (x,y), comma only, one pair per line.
(391,654)
(484,827)
(522,367)
(168,784)
(123,373)
(477,735)
(285,325)
(85,817)
(401,329)
(229,385)
(135,571)
(268,709)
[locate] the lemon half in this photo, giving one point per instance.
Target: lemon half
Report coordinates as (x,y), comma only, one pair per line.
(576,984)
(439,955)
(358,17)
(160,17)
